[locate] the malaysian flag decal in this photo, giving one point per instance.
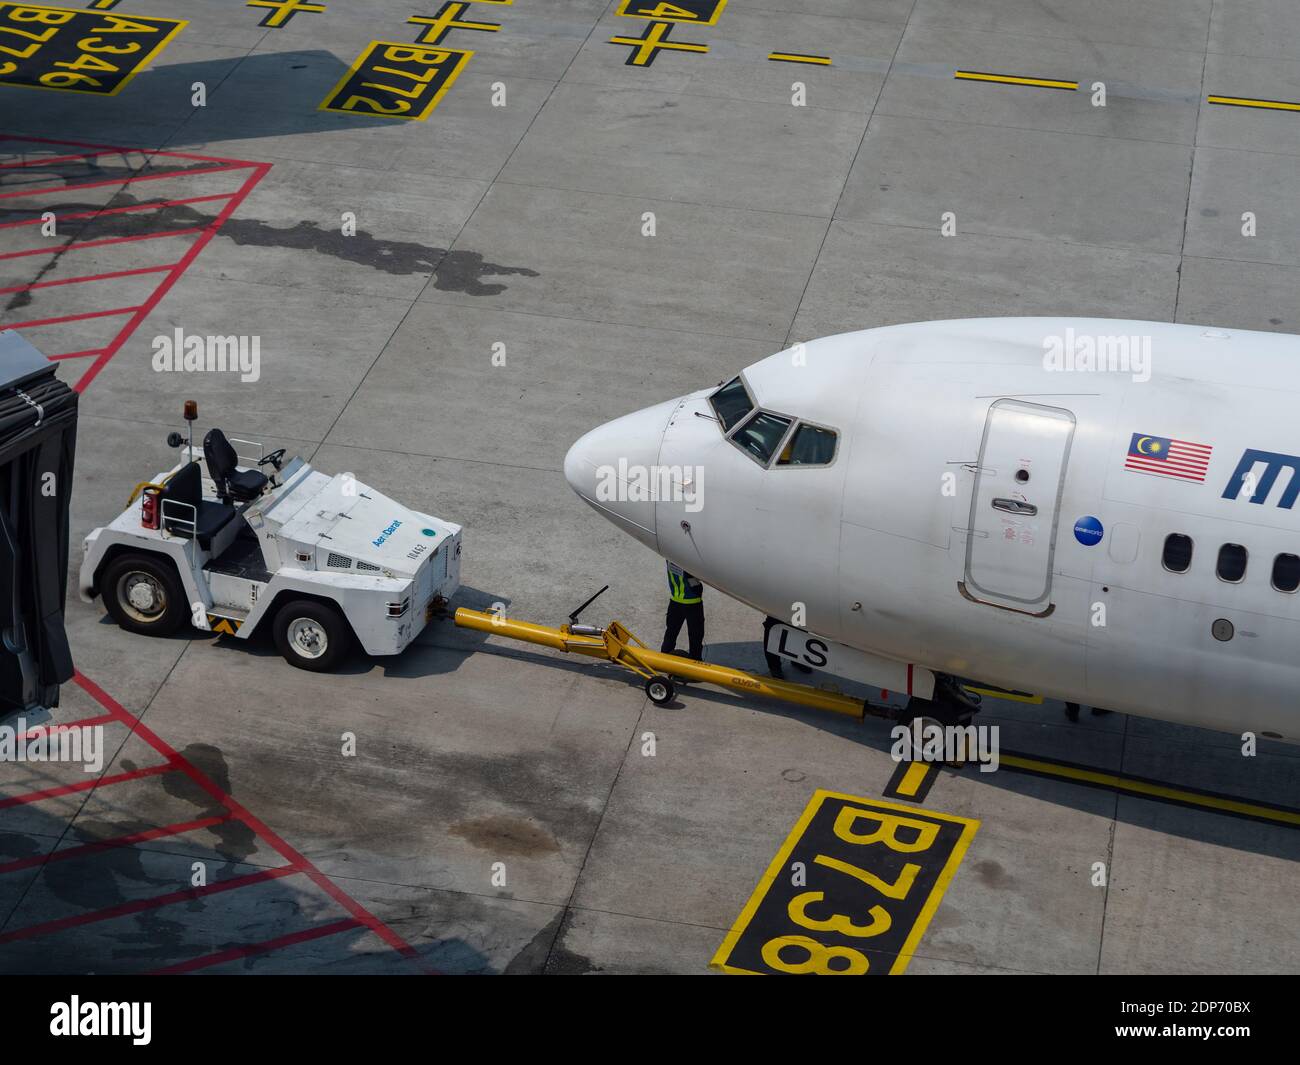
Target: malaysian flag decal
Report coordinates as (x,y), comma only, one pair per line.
(1166,457)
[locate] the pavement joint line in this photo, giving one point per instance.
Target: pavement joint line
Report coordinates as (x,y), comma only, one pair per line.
(848,173)
(1191,178)
(1118,249)
(633,734)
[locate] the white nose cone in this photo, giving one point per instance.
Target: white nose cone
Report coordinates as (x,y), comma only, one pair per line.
(615,469)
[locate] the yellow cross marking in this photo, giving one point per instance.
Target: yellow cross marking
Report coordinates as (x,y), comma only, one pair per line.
(645,47)
(446,20)
(284,10)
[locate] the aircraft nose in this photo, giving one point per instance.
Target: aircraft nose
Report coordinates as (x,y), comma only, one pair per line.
(612,466)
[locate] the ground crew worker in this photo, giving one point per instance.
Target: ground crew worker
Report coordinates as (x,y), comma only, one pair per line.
(685,604)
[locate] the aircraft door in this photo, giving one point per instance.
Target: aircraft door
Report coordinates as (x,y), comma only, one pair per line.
(1015,501)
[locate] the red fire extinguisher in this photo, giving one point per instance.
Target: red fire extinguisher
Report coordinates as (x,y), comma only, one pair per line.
(150,506)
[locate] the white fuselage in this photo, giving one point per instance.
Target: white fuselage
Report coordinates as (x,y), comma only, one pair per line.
(942,532)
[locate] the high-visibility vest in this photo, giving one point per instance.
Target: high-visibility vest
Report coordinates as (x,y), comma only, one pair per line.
(682,587)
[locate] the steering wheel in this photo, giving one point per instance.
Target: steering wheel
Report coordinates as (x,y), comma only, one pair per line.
(273,458)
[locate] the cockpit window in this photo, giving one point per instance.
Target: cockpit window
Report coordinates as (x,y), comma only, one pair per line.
(731,403)
(760,435)
(810,446)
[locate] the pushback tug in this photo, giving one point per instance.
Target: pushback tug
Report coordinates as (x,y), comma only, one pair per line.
(235,546)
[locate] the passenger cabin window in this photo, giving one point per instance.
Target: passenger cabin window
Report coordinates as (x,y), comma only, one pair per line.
(731,403)
(1286,572)
(1178,553)
(810,446)
(759,436)
(1232,563)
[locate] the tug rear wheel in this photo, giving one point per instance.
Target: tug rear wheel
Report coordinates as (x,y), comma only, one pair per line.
(143,594)
(659,690)
(311,635)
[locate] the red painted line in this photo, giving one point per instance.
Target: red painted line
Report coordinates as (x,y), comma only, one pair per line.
(152,205)
(79,245)
(87,277)
(125,909)
(195,172)
(209,231)
(85,722)
(74,354)
(47,160)
(123,150)
(117,841)
(248,950)
(85,785)
(33,323)
(362,915)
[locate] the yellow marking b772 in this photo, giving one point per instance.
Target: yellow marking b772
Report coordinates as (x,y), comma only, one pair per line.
(397,80)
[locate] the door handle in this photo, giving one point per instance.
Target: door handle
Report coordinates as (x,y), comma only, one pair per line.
(1015,506)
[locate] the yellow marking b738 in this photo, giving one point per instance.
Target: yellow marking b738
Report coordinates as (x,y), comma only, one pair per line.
(850,891)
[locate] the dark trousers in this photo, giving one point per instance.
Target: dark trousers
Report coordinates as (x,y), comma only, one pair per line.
(773,660)
(692,614)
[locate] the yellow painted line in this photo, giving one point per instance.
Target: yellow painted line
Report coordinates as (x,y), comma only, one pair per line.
(1011,79)
(1244,101)
(796,57)
(913,778)
(1157,791)
(1015,697)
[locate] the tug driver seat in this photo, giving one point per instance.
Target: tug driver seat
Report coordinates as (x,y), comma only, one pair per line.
(233,485)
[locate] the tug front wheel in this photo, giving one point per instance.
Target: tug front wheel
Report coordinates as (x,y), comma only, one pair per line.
(659,690)
(311,635)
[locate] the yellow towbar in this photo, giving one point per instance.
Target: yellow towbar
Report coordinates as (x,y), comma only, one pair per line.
(616,644)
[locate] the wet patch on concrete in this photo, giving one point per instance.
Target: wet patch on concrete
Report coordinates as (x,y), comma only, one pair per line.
(510,837)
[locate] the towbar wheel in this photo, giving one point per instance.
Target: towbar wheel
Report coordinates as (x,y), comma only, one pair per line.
(659,689)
